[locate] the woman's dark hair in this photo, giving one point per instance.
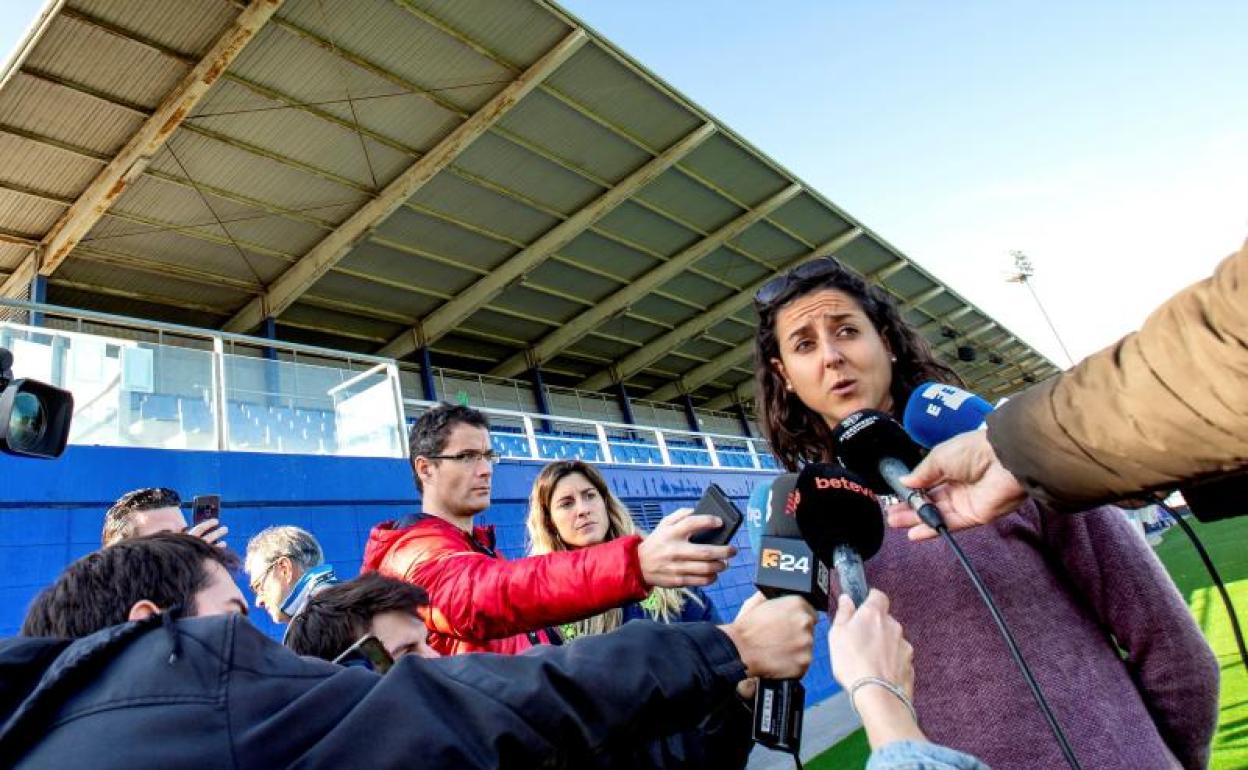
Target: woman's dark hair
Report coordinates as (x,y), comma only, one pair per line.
(338,615)
(98,590)
(797,434)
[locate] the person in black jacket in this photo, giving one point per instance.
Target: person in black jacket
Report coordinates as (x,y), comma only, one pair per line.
(175,687)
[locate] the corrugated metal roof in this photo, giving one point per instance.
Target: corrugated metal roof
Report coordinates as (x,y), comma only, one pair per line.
(333,99)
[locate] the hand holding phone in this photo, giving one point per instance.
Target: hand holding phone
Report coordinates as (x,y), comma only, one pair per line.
(716,503)
(206,520)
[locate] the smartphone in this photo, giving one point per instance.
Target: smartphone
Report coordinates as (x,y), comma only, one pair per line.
(205,507)
(716,503)
(367,653)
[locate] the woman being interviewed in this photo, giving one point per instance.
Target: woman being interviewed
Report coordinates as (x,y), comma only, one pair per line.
(1109,638)
(572,507)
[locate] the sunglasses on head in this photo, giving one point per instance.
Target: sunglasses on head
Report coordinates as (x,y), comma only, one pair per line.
(777,287)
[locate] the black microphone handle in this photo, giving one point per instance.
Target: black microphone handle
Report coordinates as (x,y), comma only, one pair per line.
(849,571)
(892,470)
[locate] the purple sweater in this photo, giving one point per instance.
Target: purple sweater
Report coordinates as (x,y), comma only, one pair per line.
(1066,584)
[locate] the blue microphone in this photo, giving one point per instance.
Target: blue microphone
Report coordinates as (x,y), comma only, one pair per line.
(937,412)
(758,509)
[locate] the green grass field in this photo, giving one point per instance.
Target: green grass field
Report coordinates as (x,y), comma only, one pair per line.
(1227,543)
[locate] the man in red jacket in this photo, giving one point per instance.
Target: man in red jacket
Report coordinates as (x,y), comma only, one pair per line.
(480,602)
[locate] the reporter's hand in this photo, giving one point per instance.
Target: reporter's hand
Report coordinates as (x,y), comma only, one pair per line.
(669,560)
(774,637)
(966,481)
(210,532)
(867,641)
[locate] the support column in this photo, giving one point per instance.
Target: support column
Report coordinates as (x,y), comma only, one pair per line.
(427,386)
(38,295)
(272,375)
(539,396)
(626,404)
(739,410)
(690,415)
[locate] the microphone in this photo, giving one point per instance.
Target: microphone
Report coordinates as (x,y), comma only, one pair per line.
(937,412)
(839,517)
(872,444)
(758,509)
(786,565)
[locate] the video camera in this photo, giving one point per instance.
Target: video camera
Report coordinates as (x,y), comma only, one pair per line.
(34,416)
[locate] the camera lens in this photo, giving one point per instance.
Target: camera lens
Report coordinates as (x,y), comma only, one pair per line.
(28,421)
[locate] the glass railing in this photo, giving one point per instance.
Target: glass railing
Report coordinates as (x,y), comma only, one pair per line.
(542,438)
(148,384)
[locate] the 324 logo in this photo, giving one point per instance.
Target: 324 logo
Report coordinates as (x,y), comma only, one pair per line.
(774,558)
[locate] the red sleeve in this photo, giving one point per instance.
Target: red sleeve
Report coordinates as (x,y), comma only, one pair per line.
(475,597)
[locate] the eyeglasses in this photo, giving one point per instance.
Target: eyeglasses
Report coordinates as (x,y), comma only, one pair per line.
(469,458)
(780,285)
(256,584)
(367,652)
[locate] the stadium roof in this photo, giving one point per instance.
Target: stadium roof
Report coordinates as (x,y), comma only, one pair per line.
(486,177)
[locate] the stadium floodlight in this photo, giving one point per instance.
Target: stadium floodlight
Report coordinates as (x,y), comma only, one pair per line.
(34,416)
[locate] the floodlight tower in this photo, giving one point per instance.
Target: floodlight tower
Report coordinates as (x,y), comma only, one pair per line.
(1023,271)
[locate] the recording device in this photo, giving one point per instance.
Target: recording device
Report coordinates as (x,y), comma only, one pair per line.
(34,416)
(786,565)
(1218,498)
(205,507)
(716,503)
(368,652)
(872,444)
(839,517)
(937,412)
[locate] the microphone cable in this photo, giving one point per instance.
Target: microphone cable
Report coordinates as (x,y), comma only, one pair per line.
(1213,573)
(931,516)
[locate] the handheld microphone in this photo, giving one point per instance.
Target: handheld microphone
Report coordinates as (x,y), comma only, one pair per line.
(839,518)
(872,444)
(937,412)
(786,565)
(758,509)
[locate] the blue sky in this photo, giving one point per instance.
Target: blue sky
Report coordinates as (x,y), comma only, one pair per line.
(1107,140)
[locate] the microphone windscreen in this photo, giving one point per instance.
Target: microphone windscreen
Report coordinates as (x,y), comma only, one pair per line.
(937,412)
(836,507)
(865,437)
(780,521)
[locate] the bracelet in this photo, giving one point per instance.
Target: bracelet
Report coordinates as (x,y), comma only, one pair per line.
(887,685)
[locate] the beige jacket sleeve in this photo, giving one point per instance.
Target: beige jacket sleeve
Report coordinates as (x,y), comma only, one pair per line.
(1164,404)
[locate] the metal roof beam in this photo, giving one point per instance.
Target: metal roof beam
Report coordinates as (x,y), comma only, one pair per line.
(665,343)
(617,303)
(741,393)
(447,317)
(134,157)
(287,288)
(696,378)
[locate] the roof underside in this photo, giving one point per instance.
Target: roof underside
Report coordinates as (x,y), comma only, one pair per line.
(604,224)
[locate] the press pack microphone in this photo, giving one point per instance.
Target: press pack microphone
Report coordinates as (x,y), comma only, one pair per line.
(872,444)
(839,517)
(937,412)
(758,509)
(786,565)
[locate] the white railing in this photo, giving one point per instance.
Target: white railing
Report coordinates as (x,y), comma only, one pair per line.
(144,383)
(534,437)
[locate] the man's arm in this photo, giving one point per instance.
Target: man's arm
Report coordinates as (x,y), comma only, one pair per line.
(550,707)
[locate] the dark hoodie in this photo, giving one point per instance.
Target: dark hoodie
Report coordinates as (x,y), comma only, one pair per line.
(215,692)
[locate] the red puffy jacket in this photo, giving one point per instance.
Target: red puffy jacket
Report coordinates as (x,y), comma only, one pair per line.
(480,602)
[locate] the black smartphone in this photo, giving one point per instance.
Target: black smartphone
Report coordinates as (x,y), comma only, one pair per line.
(716,503)
(205,507)
(368,652)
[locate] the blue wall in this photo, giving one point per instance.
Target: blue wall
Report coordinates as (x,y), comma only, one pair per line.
(51,512)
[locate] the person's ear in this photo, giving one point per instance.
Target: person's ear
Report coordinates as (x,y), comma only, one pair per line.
(424,468)
(778,367)
(142,610)
(285,570)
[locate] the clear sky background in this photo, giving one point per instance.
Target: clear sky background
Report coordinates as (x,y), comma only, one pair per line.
(1108,140)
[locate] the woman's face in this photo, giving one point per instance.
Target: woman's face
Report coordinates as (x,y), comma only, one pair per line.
(831,355)
(578,512)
